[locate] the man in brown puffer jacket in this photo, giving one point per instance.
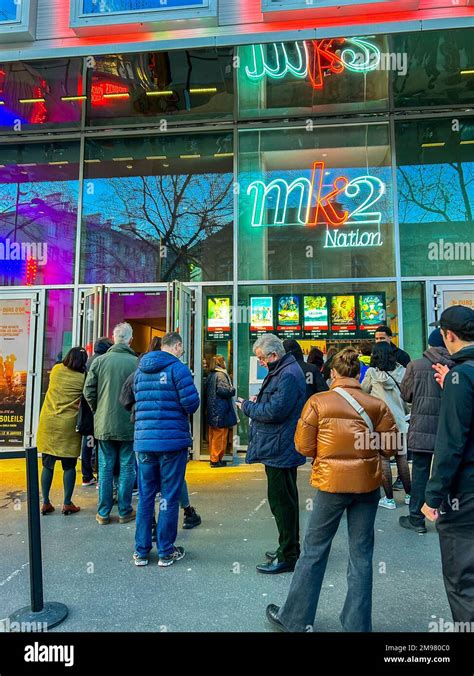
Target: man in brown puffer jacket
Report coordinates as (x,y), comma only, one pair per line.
(345,438)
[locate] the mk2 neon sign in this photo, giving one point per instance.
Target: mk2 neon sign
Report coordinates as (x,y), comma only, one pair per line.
(319,204)
(313,59)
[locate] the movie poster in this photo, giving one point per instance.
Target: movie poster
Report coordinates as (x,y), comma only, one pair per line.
(343,316)
(315,317)
(288,322)
(14,343)
(218,318)
(372,312)
(261,315)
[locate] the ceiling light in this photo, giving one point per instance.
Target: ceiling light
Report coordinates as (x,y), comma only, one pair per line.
(156,157)
(57,163)
(122,159)
(467,72)
(165,92)
(203,90)
(73,98)
(116,96)
(465,143)
(2,103)
(189,157)
(223,154)
(38,100)
(90,161)
(433,145)
(129,166)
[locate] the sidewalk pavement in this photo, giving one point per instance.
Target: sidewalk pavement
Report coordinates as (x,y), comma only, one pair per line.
(215,588)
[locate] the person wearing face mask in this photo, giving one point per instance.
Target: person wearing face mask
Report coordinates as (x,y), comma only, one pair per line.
(273,417)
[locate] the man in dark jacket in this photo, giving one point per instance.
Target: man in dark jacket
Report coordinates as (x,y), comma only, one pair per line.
(420,389)
(384,334)
(450,491)
(89,443)
(165,397)
(273,418)
(313,377)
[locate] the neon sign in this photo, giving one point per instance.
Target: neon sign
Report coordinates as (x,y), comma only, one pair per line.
(313,58)
(317,204)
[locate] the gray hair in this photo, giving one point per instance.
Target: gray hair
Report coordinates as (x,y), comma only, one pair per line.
(170,339)
(123,333)
(269,343)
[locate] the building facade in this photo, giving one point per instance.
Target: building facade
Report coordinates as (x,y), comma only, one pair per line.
(228,169)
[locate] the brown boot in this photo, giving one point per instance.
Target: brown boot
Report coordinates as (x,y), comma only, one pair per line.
(129,517)
(70,509)
(47,508)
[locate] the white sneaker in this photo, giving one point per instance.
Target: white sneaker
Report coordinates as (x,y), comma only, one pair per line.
(387,503)
(407,499)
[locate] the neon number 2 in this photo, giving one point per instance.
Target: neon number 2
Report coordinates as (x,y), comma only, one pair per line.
(361,214)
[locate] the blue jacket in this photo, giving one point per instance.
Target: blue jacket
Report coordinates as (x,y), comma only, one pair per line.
(165,396)
(220,404)
(275,414)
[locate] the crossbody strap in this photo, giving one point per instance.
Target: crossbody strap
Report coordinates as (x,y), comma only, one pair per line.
(356,406)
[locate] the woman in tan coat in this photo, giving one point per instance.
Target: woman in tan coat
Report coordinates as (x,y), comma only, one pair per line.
(57,438)
(344,430)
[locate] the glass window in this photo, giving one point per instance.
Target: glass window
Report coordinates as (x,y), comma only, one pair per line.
(167,200)
(40,95)
(250,374)
(38,199)
(177,85)
(9,10)
(315,202)
(439,68)
(58,335)
(310,77)
(414,318)
(108,6)
(435,177)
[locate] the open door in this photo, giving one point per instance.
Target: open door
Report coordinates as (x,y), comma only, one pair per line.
(180,318)
(91,317)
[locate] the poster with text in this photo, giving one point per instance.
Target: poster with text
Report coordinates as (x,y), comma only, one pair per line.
(261,315)
(15,318)
(218,318)
(343,316)
(315,316)
(372,312)
(288,317)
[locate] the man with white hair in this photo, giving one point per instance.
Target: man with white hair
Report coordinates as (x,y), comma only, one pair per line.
(273,418)
(112,426)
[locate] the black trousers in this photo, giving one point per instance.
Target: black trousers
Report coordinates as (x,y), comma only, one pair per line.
(455,527)
(283,501)
(420,474)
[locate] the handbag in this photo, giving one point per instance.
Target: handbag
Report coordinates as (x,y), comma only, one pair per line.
(85,419)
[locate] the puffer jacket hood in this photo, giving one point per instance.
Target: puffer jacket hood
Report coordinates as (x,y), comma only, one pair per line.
(439,355)
(464,354)
(152,362)
(386,379)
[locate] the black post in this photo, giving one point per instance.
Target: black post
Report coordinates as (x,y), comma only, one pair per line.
(34,531)
(39,615)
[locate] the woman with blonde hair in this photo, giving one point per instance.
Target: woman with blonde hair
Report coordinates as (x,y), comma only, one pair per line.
(221,415)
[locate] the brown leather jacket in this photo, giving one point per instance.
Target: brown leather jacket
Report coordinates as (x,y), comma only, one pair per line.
(346,456)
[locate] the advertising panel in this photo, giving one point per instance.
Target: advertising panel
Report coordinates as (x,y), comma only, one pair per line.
(261,315)
(315,316)
(288,318)
(343,316)
(218,318)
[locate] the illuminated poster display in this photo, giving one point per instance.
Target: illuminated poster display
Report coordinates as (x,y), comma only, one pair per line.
(343,316)
(315,317)
(218,318)
(14,341)
(288,321)
(372,312)
(261,315)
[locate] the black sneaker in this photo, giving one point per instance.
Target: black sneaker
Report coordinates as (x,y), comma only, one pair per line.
(397,485)
(177,555)
(405,522)
(191,518)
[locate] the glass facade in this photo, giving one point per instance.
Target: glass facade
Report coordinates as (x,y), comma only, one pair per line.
(313,174)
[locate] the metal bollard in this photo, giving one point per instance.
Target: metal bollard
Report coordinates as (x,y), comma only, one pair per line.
(39,613)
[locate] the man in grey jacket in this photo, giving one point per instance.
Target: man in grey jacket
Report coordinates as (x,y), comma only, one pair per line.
(420,389)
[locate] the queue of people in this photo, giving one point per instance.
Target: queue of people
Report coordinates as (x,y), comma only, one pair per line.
(350,426)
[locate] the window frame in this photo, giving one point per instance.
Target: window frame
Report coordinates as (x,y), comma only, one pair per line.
(24,26)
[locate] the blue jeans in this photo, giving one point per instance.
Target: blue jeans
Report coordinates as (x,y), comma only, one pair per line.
(162,472)
(299,611)
(109,451)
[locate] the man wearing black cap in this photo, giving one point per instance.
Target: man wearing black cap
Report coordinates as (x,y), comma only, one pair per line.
(420,389)
(450,491)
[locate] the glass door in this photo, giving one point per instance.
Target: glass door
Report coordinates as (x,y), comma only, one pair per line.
(91,317)
(21,350)
(445,294)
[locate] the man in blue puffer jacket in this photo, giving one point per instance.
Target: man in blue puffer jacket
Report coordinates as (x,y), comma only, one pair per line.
(165,397)
(274,416)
